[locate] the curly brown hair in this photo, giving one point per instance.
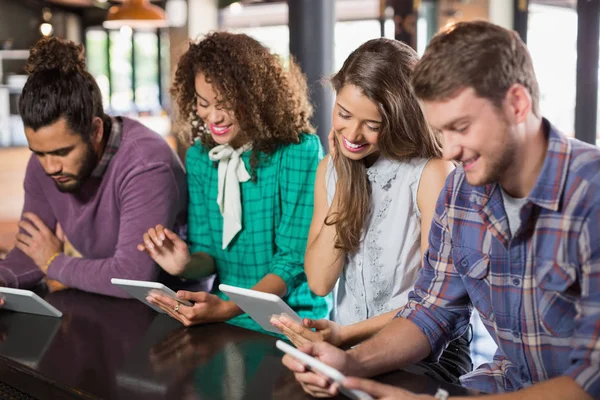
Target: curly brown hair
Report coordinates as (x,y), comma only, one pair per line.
(269,102)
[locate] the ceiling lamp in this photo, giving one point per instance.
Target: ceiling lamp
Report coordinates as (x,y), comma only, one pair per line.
(138,14)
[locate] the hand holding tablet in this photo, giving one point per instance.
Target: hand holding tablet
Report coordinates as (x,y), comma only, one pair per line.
(260,306)
(324,369)
(141,289)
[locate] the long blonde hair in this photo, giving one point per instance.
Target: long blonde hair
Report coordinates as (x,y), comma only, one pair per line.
(382,70)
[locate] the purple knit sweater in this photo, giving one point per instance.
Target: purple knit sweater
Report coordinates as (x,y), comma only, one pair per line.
(144,185)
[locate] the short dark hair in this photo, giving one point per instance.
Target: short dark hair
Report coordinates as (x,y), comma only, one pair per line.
(479,55)
(59,86)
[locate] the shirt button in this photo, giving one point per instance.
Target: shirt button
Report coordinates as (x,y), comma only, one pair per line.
(516,281)
(516,334)
(464,263)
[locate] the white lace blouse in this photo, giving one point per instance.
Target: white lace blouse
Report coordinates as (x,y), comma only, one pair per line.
(378,278)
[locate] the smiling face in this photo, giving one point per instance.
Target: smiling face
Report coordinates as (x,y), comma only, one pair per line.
(356,123)
(222,123)
(65,156)
(475,133)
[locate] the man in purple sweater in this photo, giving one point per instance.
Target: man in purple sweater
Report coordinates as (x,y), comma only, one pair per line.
(94,184)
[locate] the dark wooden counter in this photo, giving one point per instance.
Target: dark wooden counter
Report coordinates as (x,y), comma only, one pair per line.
(120,349)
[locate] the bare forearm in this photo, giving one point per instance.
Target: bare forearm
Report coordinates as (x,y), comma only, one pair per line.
(323,263)
(397,345)
(271,283)
(201,265)
(361,331)
(562,388)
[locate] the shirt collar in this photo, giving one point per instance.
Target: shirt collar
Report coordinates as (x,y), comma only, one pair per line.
(112,145)
(549,187)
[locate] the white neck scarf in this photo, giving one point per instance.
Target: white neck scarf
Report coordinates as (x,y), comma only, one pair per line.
(232,171)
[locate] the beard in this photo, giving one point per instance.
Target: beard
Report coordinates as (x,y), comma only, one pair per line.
(498,162)
(77,180)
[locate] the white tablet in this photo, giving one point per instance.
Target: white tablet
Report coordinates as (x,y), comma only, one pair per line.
(26,301)
(260,306)
(324,369)
(141,289)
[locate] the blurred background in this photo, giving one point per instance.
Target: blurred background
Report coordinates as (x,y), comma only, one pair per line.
(133,46)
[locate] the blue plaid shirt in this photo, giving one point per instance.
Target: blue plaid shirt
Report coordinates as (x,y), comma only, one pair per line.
(538,291)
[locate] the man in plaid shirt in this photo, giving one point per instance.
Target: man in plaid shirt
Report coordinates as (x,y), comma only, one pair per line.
(516,234)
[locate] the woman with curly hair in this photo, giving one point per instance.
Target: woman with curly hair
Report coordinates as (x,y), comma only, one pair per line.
(375,198)
(251,175)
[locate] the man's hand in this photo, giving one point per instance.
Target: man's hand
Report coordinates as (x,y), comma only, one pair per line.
(381,391)
(207,307)
(315,384)
(38,242)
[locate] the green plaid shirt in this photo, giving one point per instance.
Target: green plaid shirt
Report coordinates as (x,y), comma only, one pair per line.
(276,214)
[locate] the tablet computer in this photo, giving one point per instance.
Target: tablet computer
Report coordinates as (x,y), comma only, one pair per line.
(141,289)
(260,306)
(26,301)
(324,369)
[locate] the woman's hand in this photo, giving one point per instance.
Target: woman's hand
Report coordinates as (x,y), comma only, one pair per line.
(206,308)
(166,249)
(299,334)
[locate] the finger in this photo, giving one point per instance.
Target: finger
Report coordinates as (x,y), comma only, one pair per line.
(184,314)
(27,227)
(154,237)
(316,391)
(292,325)
(193,313)
(160,231)
(24,248)
(375,389)
(174,238)
(167,301)
(319,324)
(317,382)
(197,297)
(148,242)
(37,221)
(169,310)
(296,339)
(292,364)
(25,239)
(141,247)
(60,234)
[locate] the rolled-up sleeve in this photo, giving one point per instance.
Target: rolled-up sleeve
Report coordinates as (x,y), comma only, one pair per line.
(439,304)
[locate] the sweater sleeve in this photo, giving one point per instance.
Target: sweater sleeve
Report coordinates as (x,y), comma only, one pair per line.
(18,270)
(151,194)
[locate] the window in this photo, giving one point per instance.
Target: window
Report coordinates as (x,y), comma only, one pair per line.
(555,70)
(131,68)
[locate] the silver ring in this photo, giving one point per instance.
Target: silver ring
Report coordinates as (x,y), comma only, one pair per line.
(177,308)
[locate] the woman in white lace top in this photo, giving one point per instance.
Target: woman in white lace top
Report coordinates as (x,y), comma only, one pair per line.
(375,196)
